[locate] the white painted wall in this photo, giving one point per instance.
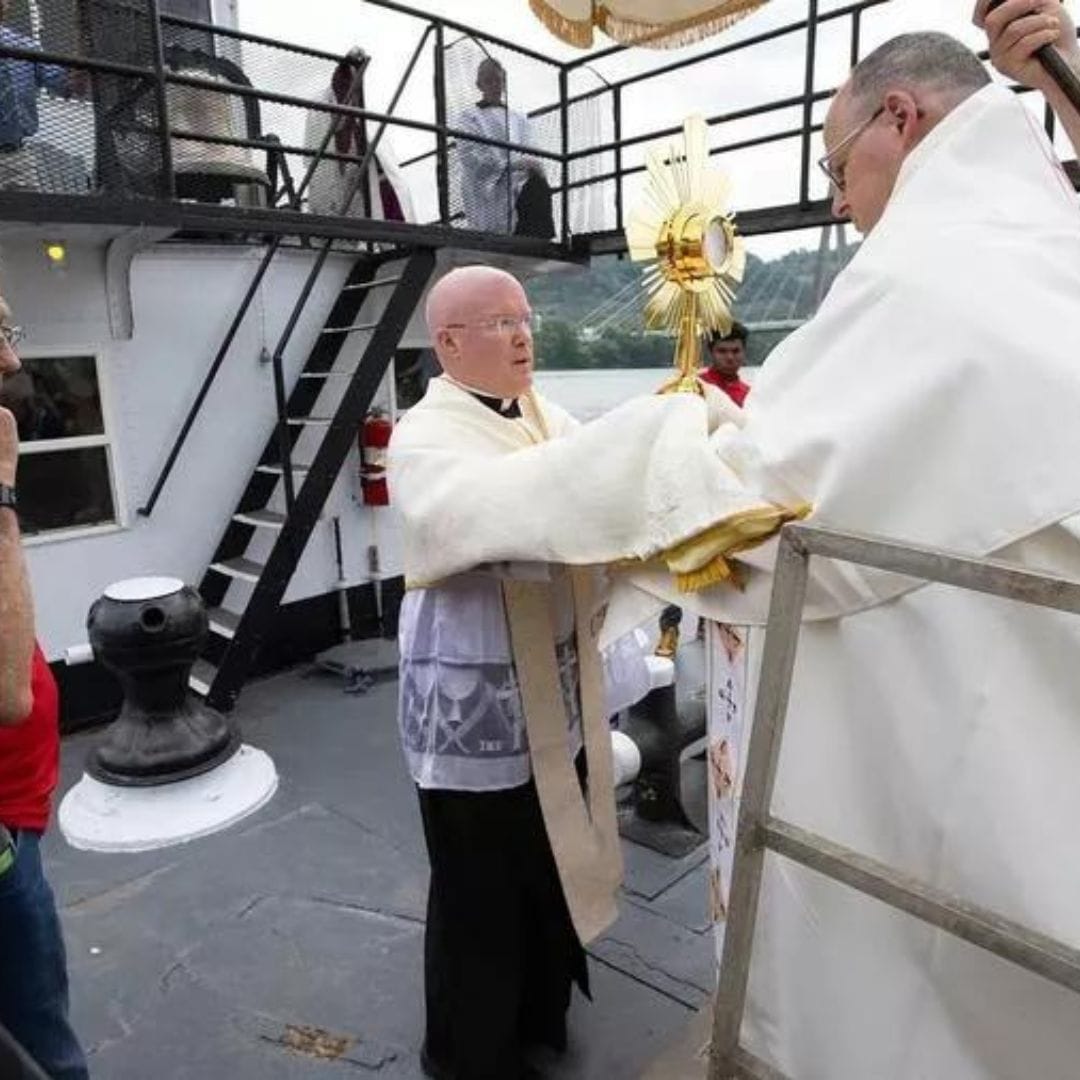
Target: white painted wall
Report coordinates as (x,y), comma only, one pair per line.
(183,300)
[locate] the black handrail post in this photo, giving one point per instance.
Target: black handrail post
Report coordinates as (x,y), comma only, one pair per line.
(856,35)
(284,442)
(564,125)
(162,99)
(442,164)
(808,101)
(616,109)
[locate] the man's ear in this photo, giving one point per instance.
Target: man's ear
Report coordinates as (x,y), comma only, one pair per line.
(446,344)
(904,114)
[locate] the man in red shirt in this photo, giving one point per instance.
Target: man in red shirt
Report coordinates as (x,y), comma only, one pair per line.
(727,353)
(33,966)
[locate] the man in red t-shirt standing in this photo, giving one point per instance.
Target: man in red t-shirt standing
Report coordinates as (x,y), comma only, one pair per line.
(33,967)
(727,353)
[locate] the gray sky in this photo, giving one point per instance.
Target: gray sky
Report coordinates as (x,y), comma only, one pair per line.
(760,176)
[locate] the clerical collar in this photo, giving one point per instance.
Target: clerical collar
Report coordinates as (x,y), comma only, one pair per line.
(507,407)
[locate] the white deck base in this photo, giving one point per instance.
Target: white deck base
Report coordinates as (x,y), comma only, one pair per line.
(100,817)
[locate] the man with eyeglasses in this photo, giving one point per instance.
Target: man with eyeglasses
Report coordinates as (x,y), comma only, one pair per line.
(33,967)
(502,950)
(933,400)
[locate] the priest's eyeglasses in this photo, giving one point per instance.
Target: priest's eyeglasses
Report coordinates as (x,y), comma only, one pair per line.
(835,172)
(504,325)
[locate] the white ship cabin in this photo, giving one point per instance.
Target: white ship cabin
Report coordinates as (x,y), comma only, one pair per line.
(217,244)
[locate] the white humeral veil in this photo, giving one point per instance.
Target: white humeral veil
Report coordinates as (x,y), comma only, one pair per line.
(935,398)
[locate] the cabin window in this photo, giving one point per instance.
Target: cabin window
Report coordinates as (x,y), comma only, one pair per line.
(65,476)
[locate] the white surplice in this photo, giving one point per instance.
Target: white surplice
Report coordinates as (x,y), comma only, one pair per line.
(935,398)
(491,176)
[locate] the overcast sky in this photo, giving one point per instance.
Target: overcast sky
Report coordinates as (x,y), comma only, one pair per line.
(761,176)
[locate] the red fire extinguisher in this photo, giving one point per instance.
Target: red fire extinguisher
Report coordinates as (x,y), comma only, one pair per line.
(374,439)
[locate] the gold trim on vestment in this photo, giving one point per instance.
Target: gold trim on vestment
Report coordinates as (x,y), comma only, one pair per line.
(579,32)
(704,559)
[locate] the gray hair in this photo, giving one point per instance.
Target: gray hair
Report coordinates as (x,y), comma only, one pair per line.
(927,60)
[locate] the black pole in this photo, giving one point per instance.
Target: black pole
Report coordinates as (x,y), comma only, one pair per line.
(442,151)
(162,99)
(564,124)
(808,101)
(616,108)
(856,36)
(284,442)
(1055,65)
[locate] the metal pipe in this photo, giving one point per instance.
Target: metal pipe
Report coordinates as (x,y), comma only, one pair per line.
(162,99)
(284,443)
(616,109)
(564,128)
(766,733)
(726,148)
(442,144)
(1035,952)
(719,118)
(256,39)
(808,102)
(198,83)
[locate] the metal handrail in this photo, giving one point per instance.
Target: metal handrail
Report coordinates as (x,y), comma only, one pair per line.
(758,831)
(245,305)
(277,358)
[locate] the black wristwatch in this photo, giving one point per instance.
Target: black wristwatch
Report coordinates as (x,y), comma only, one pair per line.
(7,497)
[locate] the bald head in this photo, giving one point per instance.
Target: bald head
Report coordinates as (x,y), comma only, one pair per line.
(478,320)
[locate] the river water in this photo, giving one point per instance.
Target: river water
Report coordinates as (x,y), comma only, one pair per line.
(586,394)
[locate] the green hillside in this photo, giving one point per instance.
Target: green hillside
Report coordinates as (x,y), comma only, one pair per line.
(592,318)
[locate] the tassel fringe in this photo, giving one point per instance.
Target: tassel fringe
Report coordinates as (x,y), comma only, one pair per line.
(579,32)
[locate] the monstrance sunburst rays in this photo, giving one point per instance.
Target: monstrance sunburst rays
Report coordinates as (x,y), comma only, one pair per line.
(683,228)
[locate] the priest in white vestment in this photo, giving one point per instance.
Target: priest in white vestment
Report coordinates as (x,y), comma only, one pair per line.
(492,177)
(508,510)
(933,399)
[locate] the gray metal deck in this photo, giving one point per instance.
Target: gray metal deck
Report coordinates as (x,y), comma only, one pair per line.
(205,961)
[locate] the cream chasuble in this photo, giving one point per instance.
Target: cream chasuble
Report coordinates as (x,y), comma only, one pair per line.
(935,398)
(474,489)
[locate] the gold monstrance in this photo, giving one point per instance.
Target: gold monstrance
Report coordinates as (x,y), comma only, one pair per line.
(683,228)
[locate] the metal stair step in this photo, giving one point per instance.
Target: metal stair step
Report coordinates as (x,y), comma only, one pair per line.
(245,569)
(327,374)
(223,621)
(301,421)
(202,677)
(261,519)
(278,470)
(375,283)
(357,328)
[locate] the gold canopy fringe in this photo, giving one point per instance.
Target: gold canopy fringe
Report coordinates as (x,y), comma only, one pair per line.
(576,32)
(579,32)
(677,34)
